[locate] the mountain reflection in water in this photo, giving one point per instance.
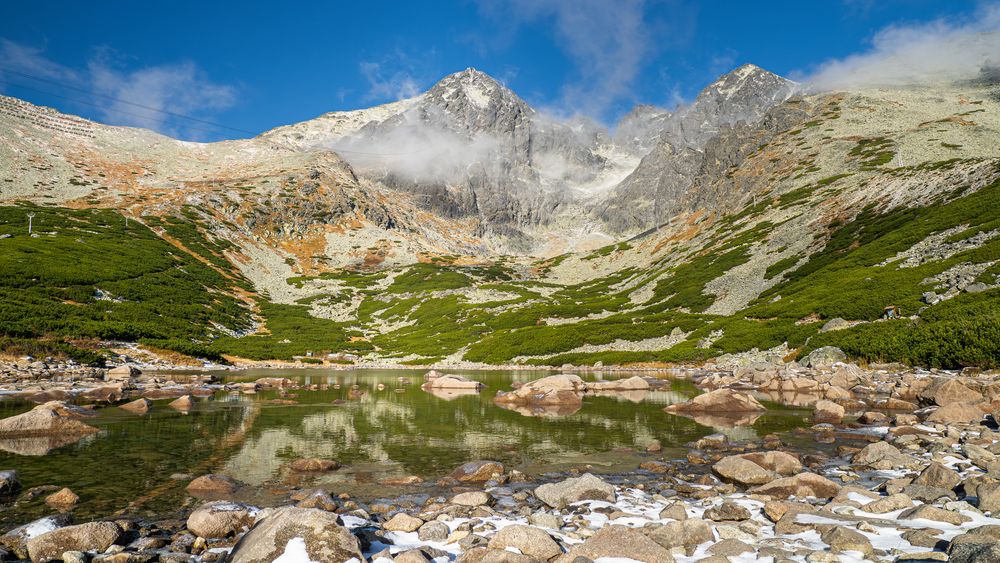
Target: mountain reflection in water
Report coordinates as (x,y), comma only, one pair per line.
(377,423)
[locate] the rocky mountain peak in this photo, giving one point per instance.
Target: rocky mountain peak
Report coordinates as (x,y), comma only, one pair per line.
(748,81)
(476,101)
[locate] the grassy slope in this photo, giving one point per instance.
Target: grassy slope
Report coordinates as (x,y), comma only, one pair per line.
(49,284)
(88,276)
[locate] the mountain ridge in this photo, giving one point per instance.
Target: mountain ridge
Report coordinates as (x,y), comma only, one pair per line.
(727,244)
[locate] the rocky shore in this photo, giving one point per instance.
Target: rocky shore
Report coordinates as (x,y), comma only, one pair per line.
(912,473)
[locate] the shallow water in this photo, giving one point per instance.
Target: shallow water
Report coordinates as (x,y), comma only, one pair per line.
(375,433)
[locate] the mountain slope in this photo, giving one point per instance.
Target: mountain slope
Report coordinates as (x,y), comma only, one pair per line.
(789,215)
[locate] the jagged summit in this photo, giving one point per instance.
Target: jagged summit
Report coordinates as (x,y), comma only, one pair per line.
(748,80)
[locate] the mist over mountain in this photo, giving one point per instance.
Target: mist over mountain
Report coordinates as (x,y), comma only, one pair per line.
(470,147)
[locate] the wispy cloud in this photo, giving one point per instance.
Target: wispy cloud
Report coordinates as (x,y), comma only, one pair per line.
(386,84)
(607,41)
(942,50)
(397,74)
(117,91)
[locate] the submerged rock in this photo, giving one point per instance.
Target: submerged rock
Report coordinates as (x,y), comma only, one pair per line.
(307,465)
(63,499)
(213,485)
(477,471)
(305,534)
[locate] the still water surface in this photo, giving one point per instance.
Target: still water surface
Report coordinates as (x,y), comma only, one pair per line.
(374,424)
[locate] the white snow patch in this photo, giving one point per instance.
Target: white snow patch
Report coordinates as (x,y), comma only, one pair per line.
(295,552)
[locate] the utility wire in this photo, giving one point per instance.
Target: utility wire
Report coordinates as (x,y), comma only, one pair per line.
(119,100)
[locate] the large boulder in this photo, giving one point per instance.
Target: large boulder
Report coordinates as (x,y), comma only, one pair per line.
(402,522)
(779,462)
(559,389)
(736,469)
(220,519)
(683,533)
(938,476)
(956,413)
(477,471)
(825,357)
(953,391)
(828,411)
(720,401)
(529,540)
(92,536)
(883,455)
(576,489)
(297,534)
(52,418)
(801,485)
(618,543)
(122,373)
(451,382)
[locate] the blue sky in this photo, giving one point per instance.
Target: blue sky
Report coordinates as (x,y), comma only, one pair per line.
(255,65)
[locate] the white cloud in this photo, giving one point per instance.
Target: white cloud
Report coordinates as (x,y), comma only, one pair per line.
(939,51)
(177,88)
(385,84)
(607,41)
(180,88)
(22,58)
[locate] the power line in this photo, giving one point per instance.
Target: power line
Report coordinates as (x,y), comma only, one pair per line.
(119,100)
(84,102)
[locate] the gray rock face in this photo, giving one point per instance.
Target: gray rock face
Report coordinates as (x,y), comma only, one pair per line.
(744,94)
(640,130)
(470,147)
(696,146)
(303,532)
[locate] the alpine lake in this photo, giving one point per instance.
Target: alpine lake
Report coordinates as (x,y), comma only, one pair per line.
(378,424)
